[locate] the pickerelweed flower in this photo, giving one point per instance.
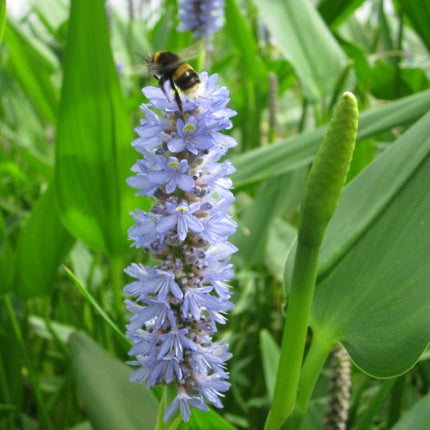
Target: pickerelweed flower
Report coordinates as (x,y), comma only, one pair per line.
(178,302)
(202,17)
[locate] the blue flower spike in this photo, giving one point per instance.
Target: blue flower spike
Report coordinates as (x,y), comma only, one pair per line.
(175,306)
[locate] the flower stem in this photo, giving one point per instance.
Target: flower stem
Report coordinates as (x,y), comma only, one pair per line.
(295,333)
(323,189)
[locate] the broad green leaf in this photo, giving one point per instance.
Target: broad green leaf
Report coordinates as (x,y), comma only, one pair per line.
(93,144)
(418,12)
(42,247)
(111,401)
(33,66)
(306,41)
(270,357)
(416,418)
(376,301)
(297,151)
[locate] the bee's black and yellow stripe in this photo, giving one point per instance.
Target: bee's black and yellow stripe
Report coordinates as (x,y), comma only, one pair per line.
(167,66)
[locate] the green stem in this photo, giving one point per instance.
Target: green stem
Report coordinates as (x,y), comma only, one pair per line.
(315,359)
(323,188)
(295,333)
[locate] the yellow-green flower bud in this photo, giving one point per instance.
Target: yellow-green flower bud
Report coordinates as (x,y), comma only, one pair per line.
(329,171)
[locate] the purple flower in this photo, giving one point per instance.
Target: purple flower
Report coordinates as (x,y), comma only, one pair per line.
(181,216)
(192,135)
(173,174)
(202,17)
(183,402)
(176,305)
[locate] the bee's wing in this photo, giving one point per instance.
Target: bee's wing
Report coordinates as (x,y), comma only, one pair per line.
(191,51)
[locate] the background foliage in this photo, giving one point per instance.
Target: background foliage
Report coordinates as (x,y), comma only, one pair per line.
(69,101)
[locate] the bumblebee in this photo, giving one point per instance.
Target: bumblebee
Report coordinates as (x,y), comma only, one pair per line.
(167,66)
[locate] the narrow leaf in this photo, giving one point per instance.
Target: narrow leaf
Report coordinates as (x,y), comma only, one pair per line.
(306,41)
(270,353)
(335,12)
(26,57)
(297,151)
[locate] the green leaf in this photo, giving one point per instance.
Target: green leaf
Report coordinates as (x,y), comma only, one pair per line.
(297,151)
(417,418)
(42,247)
(52,13)
(240,35)
(84,291)
(111,401)
(94,154)
(209,421)
(270,353)
(368,195)
(2,18)
(335,12)
(306,41)
(28,55)
(376,300)
(274,196)
(418,12)
(282,237)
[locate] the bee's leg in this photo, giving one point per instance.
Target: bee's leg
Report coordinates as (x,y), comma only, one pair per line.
(177,97)
(161,82)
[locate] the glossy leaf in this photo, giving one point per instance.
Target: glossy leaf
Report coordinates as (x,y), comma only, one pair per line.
(376,301)
(110,399)
(93,145)
(42,246)
(307,43)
